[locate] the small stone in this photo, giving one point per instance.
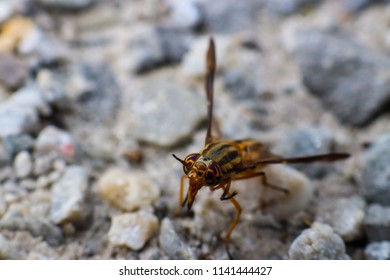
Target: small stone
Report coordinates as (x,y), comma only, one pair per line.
(102,94)
(68,203)
(6,10)
(318,243)
(52,140)
(19,114)
(349,78)
(17,143)
(28,184)
(127,191)
(377,222)
(51,85)
(229,16)
(285,8)
(171,243)
(6,172)
(67,4)
(30,97)
(23,164)
(375,178)
(12,71)
(54,176)
(345,215)
(13,31)
(42,164)
(155,47)
(306,142)
(132,230)
(42,182)
(184,14)
(3,206)
(37,226)
(378,251)
(356,5)
(172,104)
(246,79)
(5,247)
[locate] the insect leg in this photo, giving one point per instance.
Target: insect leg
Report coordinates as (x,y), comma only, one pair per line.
(183,199)
(264,181)
(226,195)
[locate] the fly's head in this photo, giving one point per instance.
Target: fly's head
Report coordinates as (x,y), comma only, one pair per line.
(201,171)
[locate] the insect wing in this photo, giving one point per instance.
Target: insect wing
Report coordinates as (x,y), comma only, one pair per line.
(307,159)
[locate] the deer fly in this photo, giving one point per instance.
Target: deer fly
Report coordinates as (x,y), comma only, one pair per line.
(222,161)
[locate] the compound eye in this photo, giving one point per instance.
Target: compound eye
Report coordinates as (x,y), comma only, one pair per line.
(213,174)
(189,162)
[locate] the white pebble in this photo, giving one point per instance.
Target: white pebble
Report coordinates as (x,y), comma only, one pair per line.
(23,164)
(318,243)
(52,140)
(68,196)
(126,191)
(132,230)
(345,215)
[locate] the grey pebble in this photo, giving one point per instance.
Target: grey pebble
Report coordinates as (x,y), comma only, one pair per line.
(23,164)
(318,243)
(288,7)
(67,4)
(377,222)
(378,251)
(17,143)
(19,114)
(306,142)
(102,94)
(12,71)
(171,243)
(349,78)
(69,194)
(246,80)
(229,16)
(358,5)
(155,47)
(37,226)
(345,215)
(375,173)
(165,113)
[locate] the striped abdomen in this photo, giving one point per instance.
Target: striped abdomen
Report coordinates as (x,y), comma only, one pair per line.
(233,155)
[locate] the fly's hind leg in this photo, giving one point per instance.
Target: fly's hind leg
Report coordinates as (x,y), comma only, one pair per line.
(264,181)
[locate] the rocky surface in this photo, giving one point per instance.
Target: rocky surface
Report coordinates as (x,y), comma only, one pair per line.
(318,243)
(96,96)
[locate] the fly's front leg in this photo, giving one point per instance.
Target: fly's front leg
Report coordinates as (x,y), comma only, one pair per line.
(226,195)
(182,199)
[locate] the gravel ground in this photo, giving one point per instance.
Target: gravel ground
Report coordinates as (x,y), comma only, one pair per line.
(96,95)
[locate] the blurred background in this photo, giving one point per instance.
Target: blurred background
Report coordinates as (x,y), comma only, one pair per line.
(96,95)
